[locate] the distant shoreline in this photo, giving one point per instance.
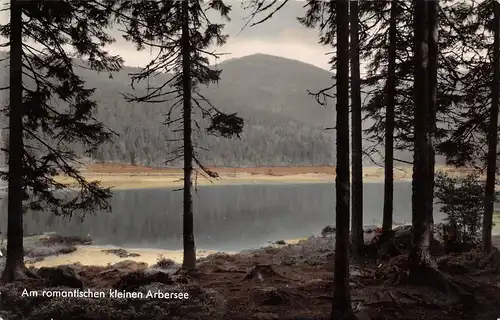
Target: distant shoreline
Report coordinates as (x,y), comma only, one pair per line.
(123,176)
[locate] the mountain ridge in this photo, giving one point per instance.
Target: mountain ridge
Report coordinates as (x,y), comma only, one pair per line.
(283,123)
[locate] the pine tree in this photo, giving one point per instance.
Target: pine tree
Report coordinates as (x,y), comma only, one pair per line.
(389,122)
(432,83)
(14,267)
(492,134)
(342,308)
(423,267)
(420,256)
(181,32)
(50,109)
(388,82)
(357,233)
(471,141)
(381,88)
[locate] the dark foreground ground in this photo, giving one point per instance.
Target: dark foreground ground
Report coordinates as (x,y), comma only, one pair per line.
(284,282)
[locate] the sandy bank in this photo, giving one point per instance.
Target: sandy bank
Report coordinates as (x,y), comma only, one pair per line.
(139,181)
(130,177)
(96,256)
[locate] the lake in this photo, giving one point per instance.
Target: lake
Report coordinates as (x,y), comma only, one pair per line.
(226,218)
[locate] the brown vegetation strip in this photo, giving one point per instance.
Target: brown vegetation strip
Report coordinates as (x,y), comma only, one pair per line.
(116,168)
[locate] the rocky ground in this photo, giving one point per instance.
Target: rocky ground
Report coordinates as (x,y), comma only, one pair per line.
(288,281)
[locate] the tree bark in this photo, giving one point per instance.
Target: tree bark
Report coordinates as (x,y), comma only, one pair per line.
(189,261)
(432,84)
(420,251)
(357,234)
(341,306)
(423,267)
(14,266)
(489,194)
(389,125)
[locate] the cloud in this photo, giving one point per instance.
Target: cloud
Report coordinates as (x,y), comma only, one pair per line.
(281,36)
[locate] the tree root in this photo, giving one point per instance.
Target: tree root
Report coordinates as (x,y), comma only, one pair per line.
(185,276)
(411,297)
(430,276)
(218,269)
(20,273)
(397,304)
(261,272)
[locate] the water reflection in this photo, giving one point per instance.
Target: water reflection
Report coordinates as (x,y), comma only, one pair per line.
(226,217)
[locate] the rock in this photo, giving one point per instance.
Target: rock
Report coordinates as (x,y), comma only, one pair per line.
(122,253)
(65,240)
(33,260)
(265,316)
(63,276)
(272,297)
(363,315)
(127,265)
(137,279)
(261,272)
(164,263)
(328,231)
(111,275)
(280,242)
(370,229)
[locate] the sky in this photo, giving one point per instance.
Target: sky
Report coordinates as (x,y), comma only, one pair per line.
(281,36)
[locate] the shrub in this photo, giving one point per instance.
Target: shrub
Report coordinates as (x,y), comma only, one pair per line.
(462,203)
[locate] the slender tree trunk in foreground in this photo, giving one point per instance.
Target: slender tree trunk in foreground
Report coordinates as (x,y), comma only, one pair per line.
(341,307)
(357,234)
(423,267)
(489,194)
(432,85)
(189,262)
(420,252)
(14,267)
(389,125)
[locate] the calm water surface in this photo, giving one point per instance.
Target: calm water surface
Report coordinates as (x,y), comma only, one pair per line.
(226,217)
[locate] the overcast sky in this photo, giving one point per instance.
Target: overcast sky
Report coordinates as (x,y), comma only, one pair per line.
(282,36)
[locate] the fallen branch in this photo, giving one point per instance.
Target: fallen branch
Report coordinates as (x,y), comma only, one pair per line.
(418,300)
(397,303)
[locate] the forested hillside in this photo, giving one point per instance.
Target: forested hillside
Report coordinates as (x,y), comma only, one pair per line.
(283,124)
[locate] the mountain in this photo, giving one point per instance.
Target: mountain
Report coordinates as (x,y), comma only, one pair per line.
(276,85)
(283,124)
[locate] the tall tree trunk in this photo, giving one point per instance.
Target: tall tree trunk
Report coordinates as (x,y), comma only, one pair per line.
(489,195)
(14,266)
(432,85)
(420,253)
(341,307)
(423,268)
(189,262)
(389,124)
(357,234)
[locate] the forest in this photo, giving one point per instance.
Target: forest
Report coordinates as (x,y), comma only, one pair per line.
(278,115)
(430,89)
